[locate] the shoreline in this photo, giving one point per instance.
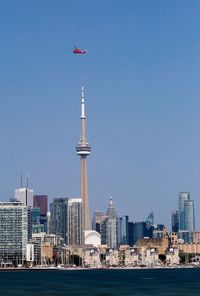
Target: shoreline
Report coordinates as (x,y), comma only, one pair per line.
(94,268)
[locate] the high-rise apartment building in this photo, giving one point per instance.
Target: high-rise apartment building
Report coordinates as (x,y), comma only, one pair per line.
(14,228)
(74,237)
(59,217)
(66,219)
(24,195)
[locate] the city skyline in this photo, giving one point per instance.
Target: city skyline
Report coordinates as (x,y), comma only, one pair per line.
(141,78)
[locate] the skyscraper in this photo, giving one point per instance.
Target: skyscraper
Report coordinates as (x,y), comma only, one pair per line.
(41,201)
(122,230)
(97,220)
(186,217)
(183,196)
(59,218)
(74,221)
(24,195)
(14,228)
(150,225)
(139,231)
(150,220)
(189,217)
(175,221)
(83,149)
(111,225)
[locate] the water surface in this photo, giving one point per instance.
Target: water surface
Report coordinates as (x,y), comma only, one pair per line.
(101,282)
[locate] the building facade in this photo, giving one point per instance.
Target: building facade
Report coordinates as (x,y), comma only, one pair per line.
(74,234)
(111,226)
(175,221)
(186,217)
(59,217)
(24,195)
(13,231)
(183,196)
(97,220)
(189,217)
(122,230)
(41,201)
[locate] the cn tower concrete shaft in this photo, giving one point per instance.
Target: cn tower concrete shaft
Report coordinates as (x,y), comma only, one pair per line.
(83,149)
(84,194)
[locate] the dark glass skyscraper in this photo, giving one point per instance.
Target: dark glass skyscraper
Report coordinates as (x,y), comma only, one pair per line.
(58,224)
(137,230)
(41,201)
(122,230)
(130,234)
(175,221)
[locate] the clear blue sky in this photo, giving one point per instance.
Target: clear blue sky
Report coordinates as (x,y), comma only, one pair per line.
(141,76)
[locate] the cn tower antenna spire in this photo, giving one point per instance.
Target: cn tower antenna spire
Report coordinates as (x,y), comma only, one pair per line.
(82,103)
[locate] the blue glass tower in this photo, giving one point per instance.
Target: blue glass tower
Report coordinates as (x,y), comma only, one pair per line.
(183,196)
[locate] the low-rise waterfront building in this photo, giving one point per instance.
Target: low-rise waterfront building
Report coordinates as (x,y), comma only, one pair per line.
(131,257)
(91,257)
(189,248)
(112,257)
(172,257)
(173,238)
(196,237)
(151,257)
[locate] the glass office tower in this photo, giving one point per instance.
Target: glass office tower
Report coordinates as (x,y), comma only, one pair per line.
(183,196)
(189,215)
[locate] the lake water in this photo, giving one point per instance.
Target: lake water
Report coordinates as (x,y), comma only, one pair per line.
(139,282)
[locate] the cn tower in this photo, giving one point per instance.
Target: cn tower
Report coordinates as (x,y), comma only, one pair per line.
(83,149)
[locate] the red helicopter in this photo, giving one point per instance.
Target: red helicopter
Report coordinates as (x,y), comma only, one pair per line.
(77,50)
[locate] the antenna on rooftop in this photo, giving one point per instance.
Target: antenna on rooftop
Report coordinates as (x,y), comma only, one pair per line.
(27,180)
(21,180)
